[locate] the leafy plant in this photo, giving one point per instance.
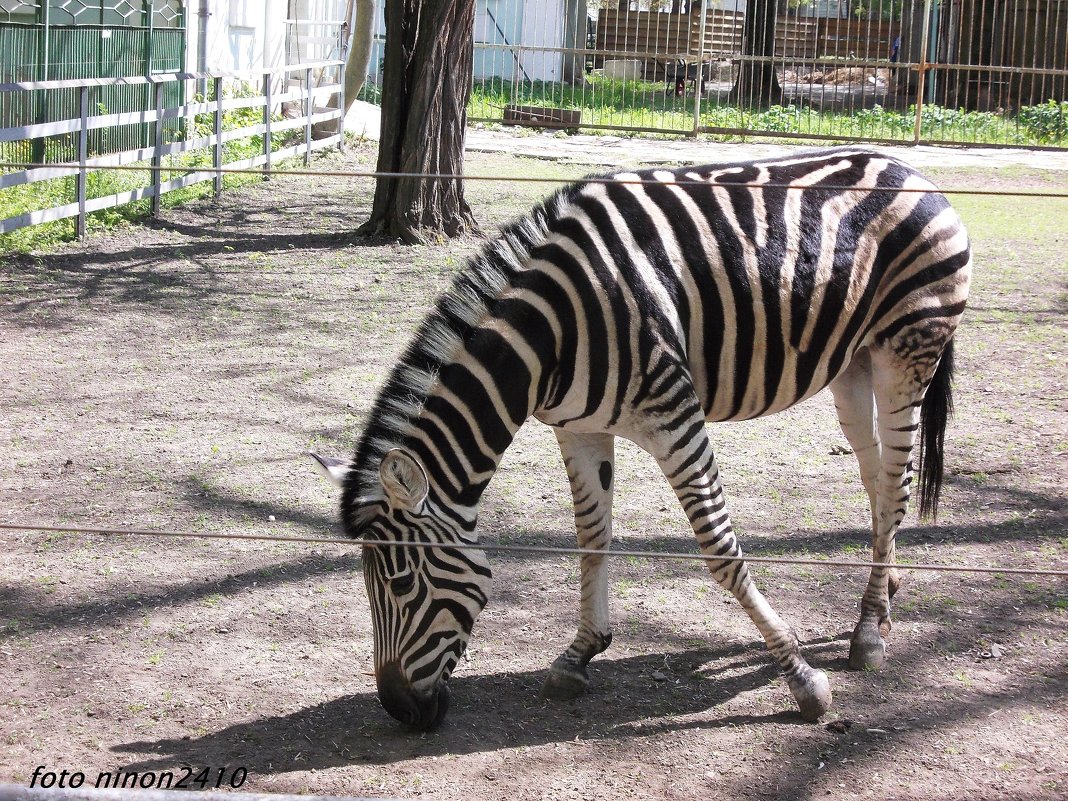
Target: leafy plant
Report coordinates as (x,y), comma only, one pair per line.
(1047,122)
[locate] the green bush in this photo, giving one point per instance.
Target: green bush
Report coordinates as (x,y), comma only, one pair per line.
(1047,123)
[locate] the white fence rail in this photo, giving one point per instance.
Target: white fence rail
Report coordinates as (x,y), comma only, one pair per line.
(292,98)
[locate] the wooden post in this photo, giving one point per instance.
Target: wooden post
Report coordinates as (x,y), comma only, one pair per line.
(157,157)
(83,155)
(217,161)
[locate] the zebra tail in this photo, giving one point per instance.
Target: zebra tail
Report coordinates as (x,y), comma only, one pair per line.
(935,413)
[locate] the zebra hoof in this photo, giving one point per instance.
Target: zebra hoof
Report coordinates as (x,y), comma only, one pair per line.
(812,691)
(867,648)
(565,682)
(894,582)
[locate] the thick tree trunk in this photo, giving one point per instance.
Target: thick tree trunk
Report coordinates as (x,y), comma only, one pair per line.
(757,84)
(425,88)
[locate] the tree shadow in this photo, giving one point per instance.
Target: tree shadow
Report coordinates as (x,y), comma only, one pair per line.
(489,713)
(1037,528)
(24,604)
(205,497)
(705,688)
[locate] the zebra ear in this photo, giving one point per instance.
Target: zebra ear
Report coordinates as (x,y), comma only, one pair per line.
(403,479)
(334,470)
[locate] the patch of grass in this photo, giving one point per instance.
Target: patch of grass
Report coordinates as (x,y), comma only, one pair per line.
(48,584)
(60,191)
(646,104)
(624,586)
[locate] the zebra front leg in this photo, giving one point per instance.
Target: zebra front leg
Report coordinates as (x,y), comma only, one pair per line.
(590,463)
(690,466)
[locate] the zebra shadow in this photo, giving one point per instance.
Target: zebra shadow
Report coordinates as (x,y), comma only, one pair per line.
(632,696)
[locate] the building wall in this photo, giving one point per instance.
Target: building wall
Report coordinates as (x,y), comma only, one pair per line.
(253,34)
(542,26)
(500,23)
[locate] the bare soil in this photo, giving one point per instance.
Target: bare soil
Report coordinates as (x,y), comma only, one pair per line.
(170,376)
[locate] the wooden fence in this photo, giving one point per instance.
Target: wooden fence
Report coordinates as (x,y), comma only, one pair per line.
(657,38)
(302,90)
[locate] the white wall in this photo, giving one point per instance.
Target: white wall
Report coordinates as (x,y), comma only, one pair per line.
(253,34)
(543,26)
(316,39)
(531,24)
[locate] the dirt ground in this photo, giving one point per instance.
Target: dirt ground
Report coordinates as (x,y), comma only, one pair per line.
(170,376)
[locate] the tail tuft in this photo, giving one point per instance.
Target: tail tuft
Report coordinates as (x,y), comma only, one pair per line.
(935,413)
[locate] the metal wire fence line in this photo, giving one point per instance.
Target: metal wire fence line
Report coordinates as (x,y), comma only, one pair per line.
(266,172)
(930,71)
(539,549)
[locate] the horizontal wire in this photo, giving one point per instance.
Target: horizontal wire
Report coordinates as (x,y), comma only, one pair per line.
(527,179)
(540,549)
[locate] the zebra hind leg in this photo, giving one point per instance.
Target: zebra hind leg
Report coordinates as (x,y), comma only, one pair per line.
(900,379)
(854,402)
(590,463)
(690,466)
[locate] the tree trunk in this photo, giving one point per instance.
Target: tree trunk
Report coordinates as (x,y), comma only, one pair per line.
(425,88)
(360,54)
(757,84)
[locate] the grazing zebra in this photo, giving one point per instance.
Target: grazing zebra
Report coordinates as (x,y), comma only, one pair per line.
(642,307)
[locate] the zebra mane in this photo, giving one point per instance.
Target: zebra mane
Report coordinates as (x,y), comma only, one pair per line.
(441,334)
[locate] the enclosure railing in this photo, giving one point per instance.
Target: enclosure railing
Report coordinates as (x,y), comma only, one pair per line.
(275,114)
(984,72)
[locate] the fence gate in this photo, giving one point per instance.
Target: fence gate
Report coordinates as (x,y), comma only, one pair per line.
(44,40)
(942,71)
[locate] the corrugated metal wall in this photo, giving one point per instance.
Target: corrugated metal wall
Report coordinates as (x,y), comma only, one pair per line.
(65,39)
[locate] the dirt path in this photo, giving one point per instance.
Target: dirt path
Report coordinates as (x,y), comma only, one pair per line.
(170,376)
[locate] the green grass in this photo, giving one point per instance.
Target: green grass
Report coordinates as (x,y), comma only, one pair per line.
(59,191)
(645,104)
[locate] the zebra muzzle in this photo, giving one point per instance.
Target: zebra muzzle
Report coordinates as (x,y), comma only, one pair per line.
(420,711)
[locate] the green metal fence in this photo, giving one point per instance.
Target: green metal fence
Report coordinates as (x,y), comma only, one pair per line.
(976,72)
(74,39)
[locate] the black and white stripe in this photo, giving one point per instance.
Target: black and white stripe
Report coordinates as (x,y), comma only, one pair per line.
(643,307)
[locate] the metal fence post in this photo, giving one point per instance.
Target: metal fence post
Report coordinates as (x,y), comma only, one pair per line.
(157,156)
(341,69)
(37,146)
(217,160)
(307,116)
(83,155)
(267,145)
(341,106)
(699,85)
(921,79)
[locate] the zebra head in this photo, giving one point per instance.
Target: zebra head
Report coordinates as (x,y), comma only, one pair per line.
(424,600)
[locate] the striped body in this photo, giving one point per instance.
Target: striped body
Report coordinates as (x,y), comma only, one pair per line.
(642,307)
(764,312)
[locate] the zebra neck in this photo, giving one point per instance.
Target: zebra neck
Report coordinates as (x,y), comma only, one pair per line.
(482,397)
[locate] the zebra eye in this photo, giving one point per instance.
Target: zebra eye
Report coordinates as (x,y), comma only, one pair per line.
(402,584)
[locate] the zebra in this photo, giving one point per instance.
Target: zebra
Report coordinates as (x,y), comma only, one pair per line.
(643,305)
